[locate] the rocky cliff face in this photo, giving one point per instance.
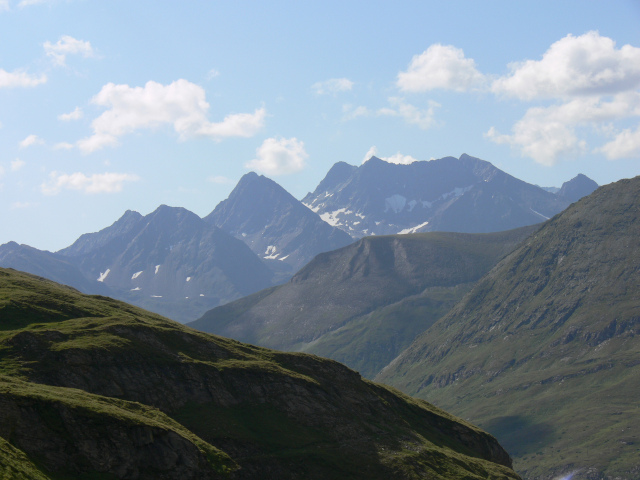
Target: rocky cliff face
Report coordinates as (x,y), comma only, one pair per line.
(147,396)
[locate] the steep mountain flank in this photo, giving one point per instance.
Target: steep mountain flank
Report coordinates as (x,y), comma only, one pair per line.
(351,304)
(94,388)
(275,225)
(544,351)
(449,194)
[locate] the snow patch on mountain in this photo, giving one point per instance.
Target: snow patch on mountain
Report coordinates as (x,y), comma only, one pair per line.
(456,192)
(103,276)
(270,253)
(412,229)
(538,213)
(395,202)
(332,217)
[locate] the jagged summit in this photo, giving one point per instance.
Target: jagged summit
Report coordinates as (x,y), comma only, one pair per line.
(463,194)
(576,188)
(274,224)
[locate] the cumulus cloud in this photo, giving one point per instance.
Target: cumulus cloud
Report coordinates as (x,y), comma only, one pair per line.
(278,156)
(332,86)
(63,146)
(410,113)
(67,45)
(585,65)
(440,66)
(546,134)
(75,115)
(31,140)
(96,183)
(19,78)
(181,104)
(349,112)
(625,145)
(398,158)
(17,164)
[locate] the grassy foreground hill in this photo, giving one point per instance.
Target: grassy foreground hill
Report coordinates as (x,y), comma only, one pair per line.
(92,388)
(364,303)
(544,352)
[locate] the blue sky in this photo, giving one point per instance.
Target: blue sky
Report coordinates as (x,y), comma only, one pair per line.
(111,105)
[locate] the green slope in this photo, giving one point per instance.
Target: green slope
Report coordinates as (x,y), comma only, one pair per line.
(544,351)
(351,304)
(94,388)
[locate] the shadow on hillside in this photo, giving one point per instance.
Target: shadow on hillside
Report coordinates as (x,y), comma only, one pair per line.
(519,435)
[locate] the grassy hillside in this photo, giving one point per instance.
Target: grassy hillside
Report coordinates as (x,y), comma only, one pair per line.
(94,388)
(352,304)
(544,352)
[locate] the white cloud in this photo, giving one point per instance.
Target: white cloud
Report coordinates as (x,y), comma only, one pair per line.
(546,134)
(332,86)
(219,179)
(17,164)
(411,114)
(19,78)
(349,112)
(398,158)
(4,5)
(440,66)
(181,104)
(585,65)
(31,140)
(279,156)
(96,183)
(67,45)
(75,115)
(625,145)
(213,73)
(63,146)
(1,171)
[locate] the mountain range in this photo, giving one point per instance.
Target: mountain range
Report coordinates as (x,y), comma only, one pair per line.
(544,350)
(175,263)
(455,195)
(91,387)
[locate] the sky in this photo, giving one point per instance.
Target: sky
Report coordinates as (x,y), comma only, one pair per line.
(107,106)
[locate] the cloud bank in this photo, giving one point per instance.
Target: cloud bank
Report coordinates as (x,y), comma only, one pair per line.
(181,105)
(96,183)
(279,156)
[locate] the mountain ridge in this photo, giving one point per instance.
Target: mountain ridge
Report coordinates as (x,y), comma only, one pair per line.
(543,351)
